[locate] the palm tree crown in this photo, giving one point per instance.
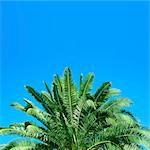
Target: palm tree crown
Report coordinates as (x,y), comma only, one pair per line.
(76,119)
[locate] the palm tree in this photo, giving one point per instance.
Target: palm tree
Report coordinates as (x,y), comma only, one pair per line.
(77,119)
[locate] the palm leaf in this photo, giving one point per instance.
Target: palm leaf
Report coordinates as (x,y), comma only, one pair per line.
(48,90)
(74,119)
(86,85)
(25,133)
(38,97)
(116,104)
(34,111)
(101,93)
(70,98)
(81,82)
(25,145)
(57,81)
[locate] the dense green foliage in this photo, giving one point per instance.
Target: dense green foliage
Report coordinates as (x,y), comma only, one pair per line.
(76,119)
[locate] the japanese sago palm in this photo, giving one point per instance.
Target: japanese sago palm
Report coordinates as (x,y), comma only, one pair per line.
(75,119)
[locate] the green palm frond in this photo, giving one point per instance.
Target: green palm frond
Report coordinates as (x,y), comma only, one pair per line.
(48,89)
(34,111)
(25,145)
(18,106)
(58,98)
(102,91)
(129,114)
(59,83)
(70,97)
(86,86)
(72,119)
(83,104)
(116,104)
(38,97)
(26,124)
(118,134)
(112,92)
(103,94)
(77,112)
(51,104)
(25,133)
(81,82)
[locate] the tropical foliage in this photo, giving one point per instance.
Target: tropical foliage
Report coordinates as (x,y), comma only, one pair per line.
(76,119)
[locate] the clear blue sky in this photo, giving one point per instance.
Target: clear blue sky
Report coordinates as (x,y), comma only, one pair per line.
(40,38)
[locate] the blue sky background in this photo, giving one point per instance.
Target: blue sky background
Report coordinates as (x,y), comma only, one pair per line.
(38,39)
